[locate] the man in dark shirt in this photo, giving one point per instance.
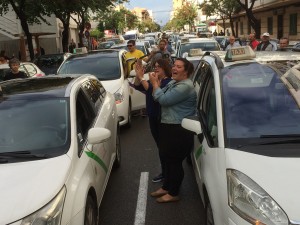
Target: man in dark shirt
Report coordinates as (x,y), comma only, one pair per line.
(14,73)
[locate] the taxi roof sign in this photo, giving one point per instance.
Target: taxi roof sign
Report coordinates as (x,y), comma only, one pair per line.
(80,50)
(195,52)
(239,53)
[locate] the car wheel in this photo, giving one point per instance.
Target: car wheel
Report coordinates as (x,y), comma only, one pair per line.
(117,162)
(209,214)
(91,212)
(128,124)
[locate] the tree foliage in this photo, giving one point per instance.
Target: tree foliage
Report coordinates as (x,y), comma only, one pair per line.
(185,15)
(28,12)
(225,9)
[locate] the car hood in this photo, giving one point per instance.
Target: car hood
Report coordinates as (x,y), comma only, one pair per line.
(26,187)
(279,177)
(112,85)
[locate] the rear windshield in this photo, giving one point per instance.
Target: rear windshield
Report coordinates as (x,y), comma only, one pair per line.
(104,67)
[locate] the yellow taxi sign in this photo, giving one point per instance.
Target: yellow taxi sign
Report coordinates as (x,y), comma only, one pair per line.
(239,53)
(195,52)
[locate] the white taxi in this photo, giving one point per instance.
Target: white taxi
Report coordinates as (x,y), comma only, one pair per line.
(246,153)
(109,66)
(59,140)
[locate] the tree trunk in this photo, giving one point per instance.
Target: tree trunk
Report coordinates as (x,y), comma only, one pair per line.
(65,37)
(29,38)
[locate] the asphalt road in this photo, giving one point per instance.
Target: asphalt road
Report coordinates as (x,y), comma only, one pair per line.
(127,201)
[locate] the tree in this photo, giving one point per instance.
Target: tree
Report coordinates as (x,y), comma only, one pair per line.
(28,12)
(116,20)
(148,26)
(225,9)
(186,15)
(254,23)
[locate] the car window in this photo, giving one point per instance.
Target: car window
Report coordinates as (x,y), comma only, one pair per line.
(95,92)
(257,104)
(85,116)
(43,125)
(49,63)
(30,69)
(103,67)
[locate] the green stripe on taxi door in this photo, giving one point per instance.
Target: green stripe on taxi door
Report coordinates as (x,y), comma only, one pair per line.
(97,159)
(198,152)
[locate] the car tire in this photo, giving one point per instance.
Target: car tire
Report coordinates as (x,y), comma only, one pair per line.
(117,161)
(209,218)
(91,212)
(128,124)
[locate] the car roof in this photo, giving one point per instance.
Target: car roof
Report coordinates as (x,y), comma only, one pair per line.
(43,87)
(107,52)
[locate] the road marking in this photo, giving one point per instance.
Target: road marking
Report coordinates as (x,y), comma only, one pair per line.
(140,212)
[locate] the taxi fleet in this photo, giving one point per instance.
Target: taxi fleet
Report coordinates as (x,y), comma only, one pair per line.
(247,143)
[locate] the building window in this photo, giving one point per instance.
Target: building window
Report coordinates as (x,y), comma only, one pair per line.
(270,25)
(241,28)
(293,24)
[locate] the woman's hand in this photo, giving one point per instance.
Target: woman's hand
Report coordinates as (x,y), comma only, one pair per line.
(153,77)
(139,69)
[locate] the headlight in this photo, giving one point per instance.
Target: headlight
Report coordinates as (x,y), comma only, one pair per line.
(49,214)
(251,202)
(119,96)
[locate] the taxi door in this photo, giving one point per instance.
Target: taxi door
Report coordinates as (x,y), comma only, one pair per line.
(208,155)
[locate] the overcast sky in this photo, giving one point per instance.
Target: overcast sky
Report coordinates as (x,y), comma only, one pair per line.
(161,8)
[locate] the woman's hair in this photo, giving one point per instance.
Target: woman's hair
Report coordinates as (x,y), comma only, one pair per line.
(188,66)
(165,65)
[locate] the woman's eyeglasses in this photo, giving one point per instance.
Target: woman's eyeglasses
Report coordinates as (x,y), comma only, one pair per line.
(129,45)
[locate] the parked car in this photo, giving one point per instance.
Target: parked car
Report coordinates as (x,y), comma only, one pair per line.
(30,69)
(105,44)
(109,66)
(246,145)
(59,141)
(49,63)
(206,44)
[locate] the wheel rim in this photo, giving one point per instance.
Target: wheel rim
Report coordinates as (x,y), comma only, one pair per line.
(209,215)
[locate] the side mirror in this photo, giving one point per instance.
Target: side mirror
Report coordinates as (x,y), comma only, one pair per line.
(98,135)
(192,124)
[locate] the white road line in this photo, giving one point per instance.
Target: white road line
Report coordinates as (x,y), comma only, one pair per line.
(140,212)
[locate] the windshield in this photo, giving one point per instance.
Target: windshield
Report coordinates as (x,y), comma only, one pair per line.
(257,104)
(205,46)
(39,126)
(103,66)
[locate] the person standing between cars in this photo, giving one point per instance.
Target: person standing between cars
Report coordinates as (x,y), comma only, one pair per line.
(162,52)
(283,44)
(232,43)
(177,100)
(132,53)
(265,44)
(163,70)
(14,73)
(253,42)
(72,46)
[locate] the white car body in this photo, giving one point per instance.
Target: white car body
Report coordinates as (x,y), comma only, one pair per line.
(114,80)
(232,181)
(63,186)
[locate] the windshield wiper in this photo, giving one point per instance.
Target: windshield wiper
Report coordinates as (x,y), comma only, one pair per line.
(23,154)
(288,139)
